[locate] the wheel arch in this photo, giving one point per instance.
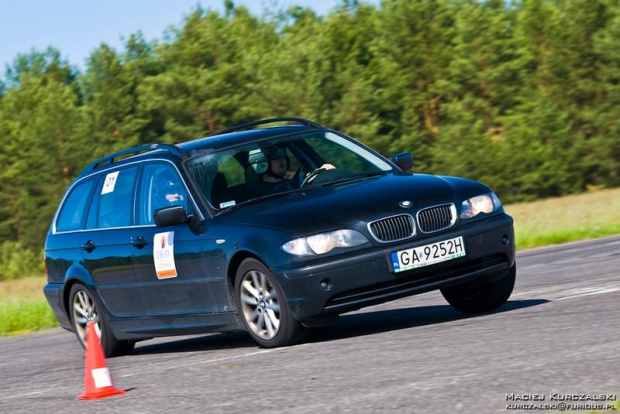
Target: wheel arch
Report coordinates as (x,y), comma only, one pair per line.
(233,266)
(75,274)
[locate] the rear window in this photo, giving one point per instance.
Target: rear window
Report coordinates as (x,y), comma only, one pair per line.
(72,214)
(113,202)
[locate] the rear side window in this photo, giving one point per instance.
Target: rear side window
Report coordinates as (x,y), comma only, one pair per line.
(72,214)
(113,203)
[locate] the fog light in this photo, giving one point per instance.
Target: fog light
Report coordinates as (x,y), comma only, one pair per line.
(326,284)
(505,239)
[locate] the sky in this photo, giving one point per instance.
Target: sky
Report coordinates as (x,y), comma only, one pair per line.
(77,27)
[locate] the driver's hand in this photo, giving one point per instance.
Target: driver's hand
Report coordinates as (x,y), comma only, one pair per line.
(327,167)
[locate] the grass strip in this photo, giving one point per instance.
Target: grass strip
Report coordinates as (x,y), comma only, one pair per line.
(571,218)
(21,316)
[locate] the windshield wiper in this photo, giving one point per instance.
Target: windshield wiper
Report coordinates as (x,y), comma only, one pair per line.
(261,198)
(355,177)
(300,189)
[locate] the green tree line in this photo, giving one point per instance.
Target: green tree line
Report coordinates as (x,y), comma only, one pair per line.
(522,95)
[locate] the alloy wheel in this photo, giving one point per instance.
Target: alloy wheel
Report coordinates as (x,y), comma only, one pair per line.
(84,311)
(260,304)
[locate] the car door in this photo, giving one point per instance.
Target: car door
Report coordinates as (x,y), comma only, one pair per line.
(106,242)
(170,262)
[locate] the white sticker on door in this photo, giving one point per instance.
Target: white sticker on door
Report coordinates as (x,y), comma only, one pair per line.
(109,183)
(163,255)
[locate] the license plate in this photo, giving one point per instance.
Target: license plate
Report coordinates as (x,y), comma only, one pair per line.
(427,255)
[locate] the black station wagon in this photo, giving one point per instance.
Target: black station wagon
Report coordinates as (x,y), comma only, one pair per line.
(268,229)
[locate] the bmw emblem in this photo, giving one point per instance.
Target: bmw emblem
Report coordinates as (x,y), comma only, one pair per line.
(405,204)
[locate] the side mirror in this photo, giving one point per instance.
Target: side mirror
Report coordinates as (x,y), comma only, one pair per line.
(404,160)
(171,216)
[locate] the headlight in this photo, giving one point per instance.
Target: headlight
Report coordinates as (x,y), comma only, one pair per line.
(324,242)
(485,203)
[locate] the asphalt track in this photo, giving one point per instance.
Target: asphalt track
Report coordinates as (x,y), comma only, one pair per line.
(559,334)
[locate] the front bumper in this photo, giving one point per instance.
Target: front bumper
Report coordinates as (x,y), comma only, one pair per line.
(363,278)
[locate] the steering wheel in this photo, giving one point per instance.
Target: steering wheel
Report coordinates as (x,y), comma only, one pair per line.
(311,176)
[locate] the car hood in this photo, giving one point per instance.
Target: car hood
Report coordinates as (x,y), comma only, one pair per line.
(353,204)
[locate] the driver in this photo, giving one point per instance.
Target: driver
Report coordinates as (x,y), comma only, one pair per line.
(272,180)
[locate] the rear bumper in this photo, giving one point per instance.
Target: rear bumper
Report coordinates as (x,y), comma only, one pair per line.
(54,295)
(364,278)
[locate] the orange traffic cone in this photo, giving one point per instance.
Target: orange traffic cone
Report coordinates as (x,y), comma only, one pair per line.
(97,379)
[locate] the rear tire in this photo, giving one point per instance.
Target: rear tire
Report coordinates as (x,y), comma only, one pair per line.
(84,306)
(262,308)
(475,299)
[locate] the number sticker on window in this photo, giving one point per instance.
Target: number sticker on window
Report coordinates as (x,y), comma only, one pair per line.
(109,183)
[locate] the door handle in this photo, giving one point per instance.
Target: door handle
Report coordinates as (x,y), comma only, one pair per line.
(89,246)
(138,242)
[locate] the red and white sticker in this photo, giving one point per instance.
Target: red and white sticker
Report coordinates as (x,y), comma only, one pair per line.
(163,255)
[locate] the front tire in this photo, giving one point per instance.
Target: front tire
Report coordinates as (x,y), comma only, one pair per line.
(262,307)
(483,298)
(84,306)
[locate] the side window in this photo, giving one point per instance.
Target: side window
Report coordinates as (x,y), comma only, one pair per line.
(72,214)
(160,187)
(113,203)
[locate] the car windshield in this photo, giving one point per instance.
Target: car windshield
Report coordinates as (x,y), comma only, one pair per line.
(262,169)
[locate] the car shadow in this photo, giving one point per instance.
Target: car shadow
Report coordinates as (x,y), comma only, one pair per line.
(348,326)
(374,322)
(208,342)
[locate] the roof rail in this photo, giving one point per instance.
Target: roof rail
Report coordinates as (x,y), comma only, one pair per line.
(302,121)
(109,159)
